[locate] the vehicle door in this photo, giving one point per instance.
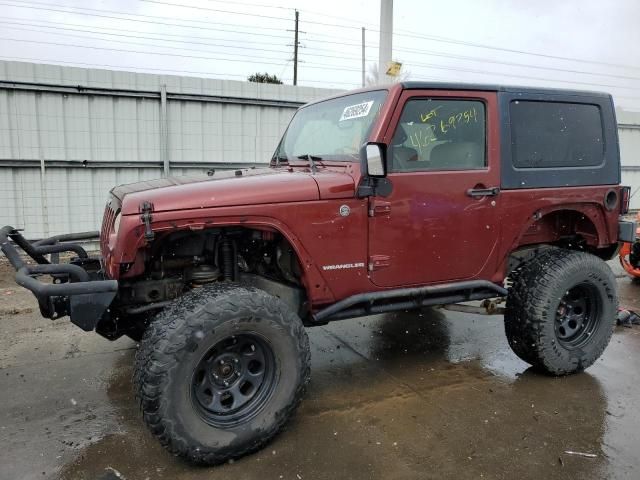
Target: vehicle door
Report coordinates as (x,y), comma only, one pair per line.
(440,223)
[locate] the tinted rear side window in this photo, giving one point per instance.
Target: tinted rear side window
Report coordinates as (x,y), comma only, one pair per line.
(556,134)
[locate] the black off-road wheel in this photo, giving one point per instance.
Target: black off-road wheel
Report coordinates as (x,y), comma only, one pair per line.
(220,371)
(561,311)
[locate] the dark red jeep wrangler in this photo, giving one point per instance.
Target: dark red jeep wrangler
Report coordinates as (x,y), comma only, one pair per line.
(376,200)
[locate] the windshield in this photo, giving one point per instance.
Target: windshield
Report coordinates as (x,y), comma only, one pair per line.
(331,130)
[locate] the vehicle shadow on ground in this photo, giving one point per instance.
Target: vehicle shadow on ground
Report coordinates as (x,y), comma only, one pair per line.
(385,401)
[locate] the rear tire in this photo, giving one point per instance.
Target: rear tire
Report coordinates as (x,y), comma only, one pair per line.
(561,311)
(219,372)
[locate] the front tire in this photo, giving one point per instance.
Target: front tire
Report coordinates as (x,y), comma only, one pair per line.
(220,371)
(561,311)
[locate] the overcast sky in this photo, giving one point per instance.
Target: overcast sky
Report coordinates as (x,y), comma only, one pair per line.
(583,44)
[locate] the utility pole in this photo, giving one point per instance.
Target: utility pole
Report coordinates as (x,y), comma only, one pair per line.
(386,40)
(295,52)
(363,57)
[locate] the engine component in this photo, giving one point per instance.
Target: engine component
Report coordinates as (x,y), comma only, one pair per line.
(149,291)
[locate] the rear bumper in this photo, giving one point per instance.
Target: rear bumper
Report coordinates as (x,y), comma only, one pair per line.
(79,288)
(627,231)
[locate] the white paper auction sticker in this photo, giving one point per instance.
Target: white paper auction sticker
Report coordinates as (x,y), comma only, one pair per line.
(356,111)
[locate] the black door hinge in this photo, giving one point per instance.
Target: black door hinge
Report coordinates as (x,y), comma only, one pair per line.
(146,208)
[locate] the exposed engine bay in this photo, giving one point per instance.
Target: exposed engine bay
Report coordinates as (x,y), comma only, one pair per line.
(180,261)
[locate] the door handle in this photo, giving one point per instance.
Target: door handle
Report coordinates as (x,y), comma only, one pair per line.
(483,192)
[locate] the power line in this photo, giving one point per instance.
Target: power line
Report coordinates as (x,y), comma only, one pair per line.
(260,5)
(408,34)
(302,10)
(232,12)
(169,47)
(119,67)
(135,36)
(512,50)
(131,51)
(100,15)
(412,34)
(164,34)
(340,43)
(197,72)
(315,65)
(182,35)
(310,65)
(181,49)
(522,65)
(528,77)
(183,38)
(334,37)
(428,52)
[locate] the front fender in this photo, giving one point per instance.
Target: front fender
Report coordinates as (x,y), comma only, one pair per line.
(131,244)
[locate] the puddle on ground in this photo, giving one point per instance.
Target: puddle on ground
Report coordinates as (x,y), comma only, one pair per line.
(408,395)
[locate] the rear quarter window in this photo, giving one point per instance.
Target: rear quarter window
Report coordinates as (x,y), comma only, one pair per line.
(556,135)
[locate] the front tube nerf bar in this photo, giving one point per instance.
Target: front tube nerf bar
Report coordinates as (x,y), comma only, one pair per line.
(85,300)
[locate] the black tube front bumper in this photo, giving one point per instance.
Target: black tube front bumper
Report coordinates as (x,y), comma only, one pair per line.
(79,288)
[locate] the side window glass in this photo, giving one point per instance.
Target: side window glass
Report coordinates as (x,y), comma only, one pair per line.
(556,135)
(435,134)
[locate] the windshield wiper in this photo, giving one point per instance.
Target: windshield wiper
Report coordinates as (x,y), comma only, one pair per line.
(310,159)
(281,159)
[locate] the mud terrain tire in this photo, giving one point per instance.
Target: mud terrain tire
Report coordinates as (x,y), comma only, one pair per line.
(210,327)
(561,311)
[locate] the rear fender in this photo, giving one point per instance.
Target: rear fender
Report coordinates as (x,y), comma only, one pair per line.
(551,224)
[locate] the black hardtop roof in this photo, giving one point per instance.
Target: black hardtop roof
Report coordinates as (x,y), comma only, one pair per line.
(415,85)
(498,88)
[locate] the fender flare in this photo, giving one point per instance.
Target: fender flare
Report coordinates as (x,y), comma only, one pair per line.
(318,291)
(590,211)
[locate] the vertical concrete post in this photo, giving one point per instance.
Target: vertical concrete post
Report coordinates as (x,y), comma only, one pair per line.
(363,57)
(386,41)
(164,131)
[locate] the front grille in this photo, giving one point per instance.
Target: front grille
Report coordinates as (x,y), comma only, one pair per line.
(107,226)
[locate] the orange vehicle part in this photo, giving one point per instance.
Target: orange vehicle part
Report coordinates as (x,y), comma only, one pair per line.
(625,253)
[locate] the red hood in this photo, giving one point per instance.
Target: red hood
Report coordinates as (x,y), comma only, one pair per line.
(253,187)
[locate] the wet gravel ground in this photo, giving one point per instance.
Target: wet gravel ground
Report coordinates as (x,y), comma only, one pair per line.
(431,394)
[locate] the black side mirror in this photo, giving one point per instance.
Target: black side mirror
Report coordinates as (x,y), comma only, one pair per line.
(374,160)
(374,181)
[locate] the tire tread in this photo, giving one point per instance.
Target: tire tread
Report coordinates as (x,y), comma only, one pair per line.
(170,333)
(527,311)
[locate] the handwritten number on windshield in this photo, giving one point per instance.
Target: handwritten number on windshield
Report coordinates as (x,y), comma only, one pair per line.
(459,119)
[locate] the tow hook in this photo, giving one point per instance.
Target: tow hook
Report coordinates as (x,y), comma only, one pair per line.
(146,208)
